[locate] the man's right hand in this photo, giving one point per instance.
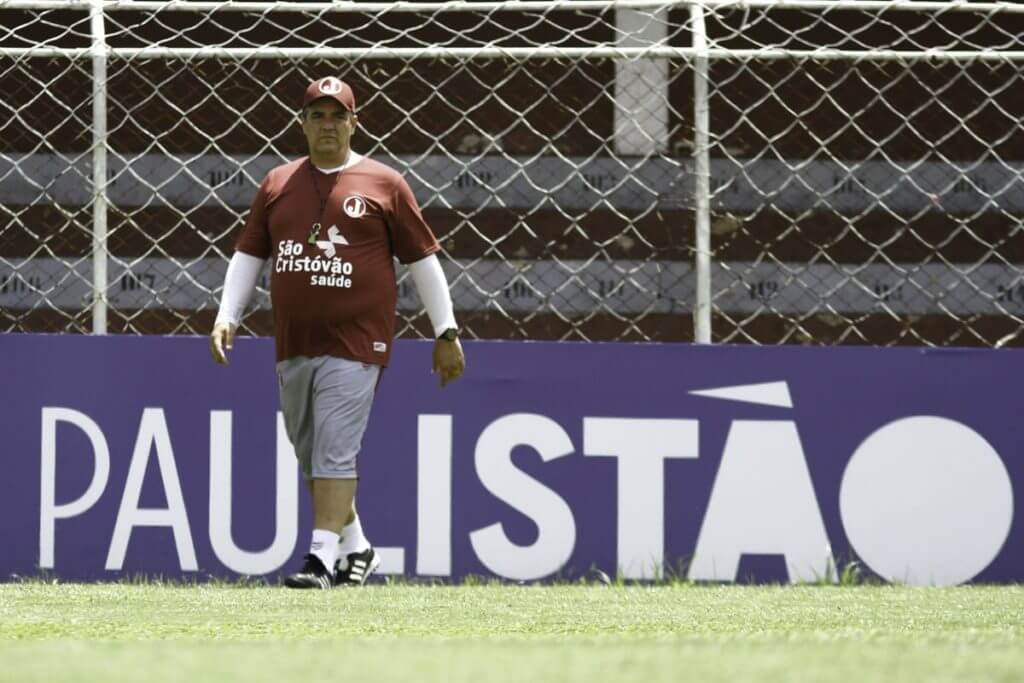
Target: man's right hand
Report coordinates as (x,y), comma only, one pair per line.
(221,340)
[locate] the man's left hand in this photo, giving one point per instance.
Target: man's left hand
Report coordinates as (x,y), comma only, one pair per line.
(449,361)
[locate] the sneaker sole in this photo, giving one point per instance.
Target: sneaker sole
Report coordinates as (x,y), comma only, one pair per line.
(323,583)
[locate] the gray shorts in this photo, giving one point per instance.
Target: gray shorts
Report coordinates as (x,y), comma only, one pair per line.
(326,404)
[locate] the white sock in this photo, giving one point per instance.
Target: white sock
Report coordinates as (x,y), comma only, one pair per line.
(352,541)
(325,546)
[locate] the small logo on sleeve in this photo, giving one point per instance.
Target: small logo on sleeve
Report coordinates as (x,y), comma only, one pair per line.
(380,347)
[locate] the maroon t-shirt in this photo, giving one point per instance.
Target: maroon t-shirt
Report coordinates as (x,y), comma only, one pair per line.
(333,288)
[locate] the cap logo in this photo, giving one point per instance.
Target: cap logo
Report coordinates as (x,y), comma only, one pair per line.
(330,86)
(355,207)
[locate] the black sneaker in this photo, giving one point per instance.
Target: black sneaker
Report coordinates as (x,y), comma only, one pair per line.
(312,575)
(360,566)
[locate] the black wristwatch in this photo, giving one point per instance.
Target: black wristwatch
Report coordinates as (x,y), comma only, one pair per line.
(451,334)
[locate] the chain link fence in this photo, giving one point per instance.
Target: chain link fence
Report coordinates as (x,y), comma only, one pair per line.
(818,172)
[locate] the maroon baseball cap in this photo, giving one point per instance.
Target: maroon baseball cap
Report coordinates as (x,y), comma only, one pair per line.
(332,87)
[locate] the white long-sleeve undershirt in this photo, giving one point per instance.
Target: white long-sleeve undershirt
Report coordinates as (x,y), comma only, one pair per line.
(433,290)
(243,271)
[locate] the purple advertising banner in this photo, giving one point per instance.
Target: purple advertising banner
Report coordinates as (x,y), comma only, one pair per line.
(128,455)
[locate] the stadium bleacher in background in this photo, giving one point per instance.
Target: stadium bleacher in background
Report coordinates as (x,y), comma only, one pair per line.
(856,196)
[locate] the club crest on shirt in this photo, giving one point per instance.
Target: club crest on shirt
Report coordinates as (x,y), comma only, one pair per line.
(354,206)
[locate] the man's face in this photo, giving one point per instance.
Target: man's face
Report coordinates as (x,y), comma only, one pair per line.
(328,127)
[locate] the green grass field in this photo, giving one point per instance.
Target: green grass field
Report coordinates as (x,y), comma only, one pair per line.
(153,632)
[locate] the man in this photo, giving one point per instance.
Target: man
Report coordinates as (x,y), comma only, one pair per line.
(333,222)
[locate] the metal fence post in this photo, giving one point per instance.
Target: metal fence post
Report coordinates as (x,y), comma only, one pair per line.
(702,179)
(99,168)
